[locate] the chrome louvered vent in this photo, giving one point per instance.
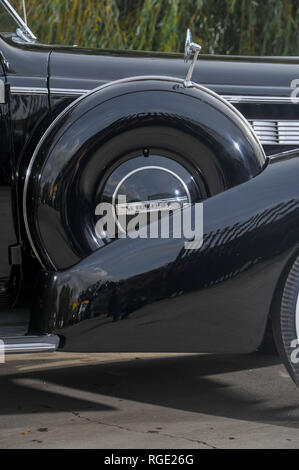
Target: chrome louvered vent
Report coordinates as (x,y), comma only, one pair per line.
(276,132)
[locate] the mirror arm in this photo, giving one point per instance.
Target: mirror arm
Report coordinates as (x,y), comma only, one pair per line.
(187,81)
(190,48)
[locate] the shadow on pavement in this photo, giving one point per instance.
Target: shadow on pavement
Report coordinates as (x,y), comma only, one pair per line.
(248,387)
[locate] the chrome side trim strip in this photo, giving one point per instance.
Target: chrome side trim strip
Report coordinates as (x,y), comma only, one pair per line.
(102,87)
(234,99)
(28,344)
(68,91)
(261,99)
(286,154)
(19,90)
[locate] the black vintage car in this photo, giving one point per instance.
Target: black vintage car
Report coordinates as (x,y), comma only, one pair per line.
(81,126)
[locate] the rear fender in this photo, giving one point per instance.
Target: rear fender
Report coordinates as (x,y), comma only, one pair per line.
(154,295)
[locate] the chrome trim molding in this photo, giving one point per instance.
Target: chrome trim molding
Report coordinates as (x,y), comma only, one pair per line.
(19,90)
(285,154)
(23,90)
(276,132)
(234,99)
(68,91)
(153,205)
(28,344)
(2,92)
(102,87)
(260,99)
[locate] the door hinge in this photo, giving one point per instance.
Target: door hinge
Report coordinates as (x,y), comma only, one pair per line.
(15,254)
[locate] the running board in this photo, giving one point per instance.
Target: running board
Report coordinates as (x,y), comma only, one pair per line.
(28,344)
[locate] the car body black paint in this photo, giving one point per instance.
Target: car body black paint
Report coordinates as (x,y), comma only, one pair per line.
(221,306)
(166,298)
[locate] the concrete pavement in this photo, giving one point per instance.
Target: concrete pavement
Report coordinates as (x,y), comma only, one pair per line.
(67,400)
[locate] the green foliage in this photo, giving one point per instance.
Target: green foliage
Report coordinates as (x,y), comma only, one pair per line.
(251,27)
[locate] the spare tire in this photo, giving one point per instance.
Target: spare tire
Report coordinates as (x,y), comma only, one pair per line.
(189,134)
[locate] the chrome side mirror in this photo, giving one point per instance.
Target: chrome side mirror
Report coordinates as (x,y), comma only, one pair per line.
(190,48)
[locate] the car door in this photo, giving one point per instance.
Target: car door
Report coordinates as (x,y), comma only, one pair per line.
(7,230)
